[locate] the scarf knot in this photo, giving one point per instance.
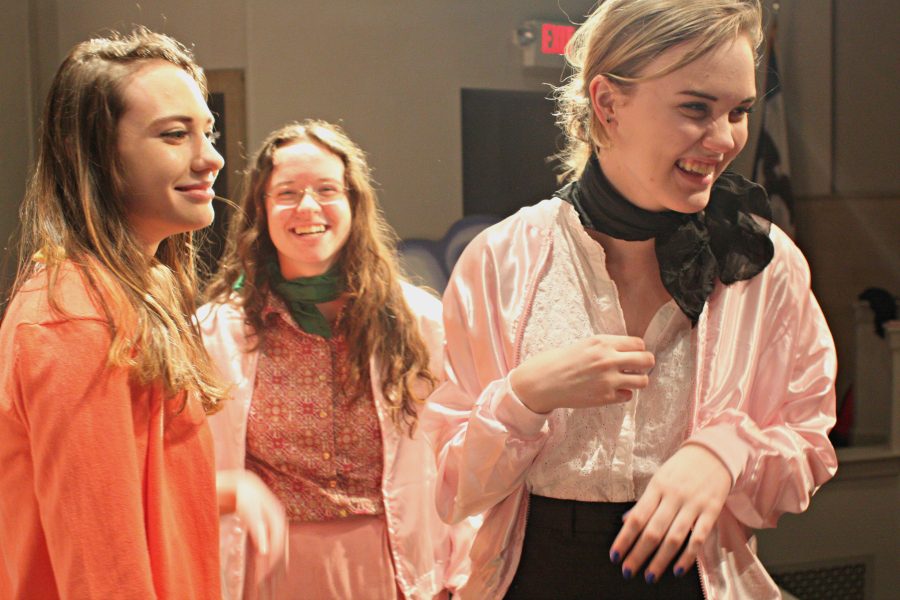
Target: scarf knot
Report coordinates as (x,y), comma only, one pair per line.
(303,294)
(724,241)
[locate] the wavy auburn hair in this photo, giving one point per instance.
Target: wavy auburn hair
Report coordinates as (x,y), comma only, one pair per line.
(377,321)
(73,213)
(621,37)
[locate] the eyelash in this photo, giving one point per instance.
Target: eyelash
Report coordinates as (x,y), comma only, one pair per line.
(180,134)
(702,110)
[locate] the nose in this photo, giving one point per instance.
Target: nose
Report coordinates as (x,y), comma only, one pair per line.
(307,201)
(208,158)
(722,135)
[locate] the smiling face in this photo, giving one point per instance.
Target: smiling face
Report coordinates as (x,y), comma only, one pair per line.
(168,161)
(309,234)
(672,136)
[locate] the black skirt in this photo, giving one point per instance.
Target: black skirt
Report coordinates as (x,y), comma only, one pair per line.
(566,555)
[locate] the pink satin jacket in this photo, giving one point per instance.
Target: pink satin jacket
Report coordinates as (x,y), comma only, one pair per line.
(763,402)
(428,555)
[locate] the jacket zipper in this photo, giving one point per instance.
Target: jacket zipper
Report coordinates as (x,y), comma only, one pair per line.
(701,573)
(695,409)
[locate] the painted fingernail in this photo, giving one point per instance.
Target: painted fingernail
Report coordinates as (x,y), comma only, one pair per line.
(679,571)
(626,573)
(614,557)
(650,577)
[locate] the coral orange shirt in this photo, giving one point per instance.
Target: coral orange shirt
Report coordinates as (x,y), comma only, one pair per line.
(101,494)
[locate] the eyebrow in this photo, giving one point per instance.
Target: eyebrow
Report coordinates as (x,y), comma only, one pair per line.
(712,98)
(181,118)
(285,182)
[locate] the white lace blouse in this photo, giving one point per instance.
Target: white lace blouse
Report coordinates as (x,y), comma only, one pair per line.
(608,453)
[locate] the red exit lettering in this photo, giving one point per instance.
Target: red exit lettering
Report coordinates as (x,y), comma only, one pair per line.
(555,37)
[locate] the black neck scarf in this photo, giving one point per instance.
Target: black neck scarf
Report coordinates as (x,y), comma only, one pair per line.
(303,293)
(721,242)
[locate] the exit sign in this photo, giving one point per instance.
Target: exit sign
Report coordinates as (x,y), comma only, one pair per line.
(555,37)
(543,43)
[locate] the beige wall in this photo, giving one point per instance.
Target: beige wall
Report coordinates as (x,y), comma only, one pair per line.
(15,119)
(391,72)
(851,244)
(214,28)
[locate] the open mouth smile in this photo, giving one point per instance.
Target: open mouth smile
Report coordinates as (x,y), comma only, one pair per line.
(696,167)
(308,229)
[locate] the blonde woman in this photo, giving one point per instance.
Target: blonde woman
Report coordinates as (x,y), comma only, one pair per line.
(638,372)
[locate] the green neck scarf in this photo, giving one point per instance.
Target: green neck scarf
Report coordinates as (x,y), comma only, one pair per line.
(303,293)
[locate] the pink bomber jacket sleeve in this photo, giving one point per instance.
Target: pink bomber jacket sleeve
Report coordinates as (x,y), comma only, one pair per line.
(485,439)
(427,310)
(768,420)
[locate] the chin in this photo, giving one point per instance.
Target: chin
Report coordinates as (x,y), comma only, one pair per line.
(692,204)
(204,218)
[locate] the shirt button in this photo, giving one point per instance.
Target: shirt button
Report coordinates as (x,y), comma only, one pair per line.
(322,377)
(326,455)
(323,414)
(332,484)
(342,512)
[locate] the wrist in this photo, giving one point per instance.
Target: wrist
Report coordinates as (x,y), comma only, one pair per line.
(226,491)
(526,390)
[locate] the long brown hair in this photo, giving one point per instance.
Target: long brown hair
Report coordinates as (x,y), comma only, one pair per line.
(621,37)
(73,213)
(377,321)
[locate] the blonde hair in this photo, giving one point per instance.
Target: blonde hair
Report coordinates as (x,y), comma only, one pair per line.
(73,213)
(377,321)
(621,37)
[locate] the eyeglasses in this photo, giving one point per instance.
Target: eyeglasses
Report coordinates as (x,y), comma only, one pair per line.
(326,193)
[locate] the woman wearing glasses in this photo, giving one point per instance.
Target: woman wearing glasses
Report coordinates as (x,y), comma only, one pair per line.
(331,355)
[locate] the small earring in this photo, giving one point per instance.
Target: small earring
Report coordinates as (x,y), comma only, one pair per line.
(609,119)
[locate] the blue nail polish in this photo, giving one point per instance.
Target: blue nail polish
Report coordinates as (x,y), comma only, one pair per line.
(626,573)
(650,577)
(679,571)
(614,557)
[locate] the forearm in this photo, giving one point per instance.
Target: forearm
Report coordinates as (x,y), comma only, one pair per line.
(483,450)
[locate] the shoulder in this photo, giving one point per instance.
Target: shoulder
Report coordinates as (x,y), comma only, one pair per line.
(214,314)
(222,323)
(427,310)
(421,302)
(781,284)
(515,237)
(788,266)
(538,219)
(38,343)
(70,291)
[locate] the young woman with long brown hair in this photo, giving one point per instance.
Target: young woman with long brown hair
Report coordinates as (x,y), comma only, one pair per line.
(331,355)
(108,488)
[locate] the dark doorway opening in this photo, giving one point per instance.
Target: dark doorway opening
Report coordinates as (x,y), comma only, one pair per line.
(507,139)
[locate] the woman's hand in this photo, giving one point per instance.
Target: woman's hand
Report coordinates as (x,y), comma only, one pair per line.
(245,494)
(598,370)
(683,499)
